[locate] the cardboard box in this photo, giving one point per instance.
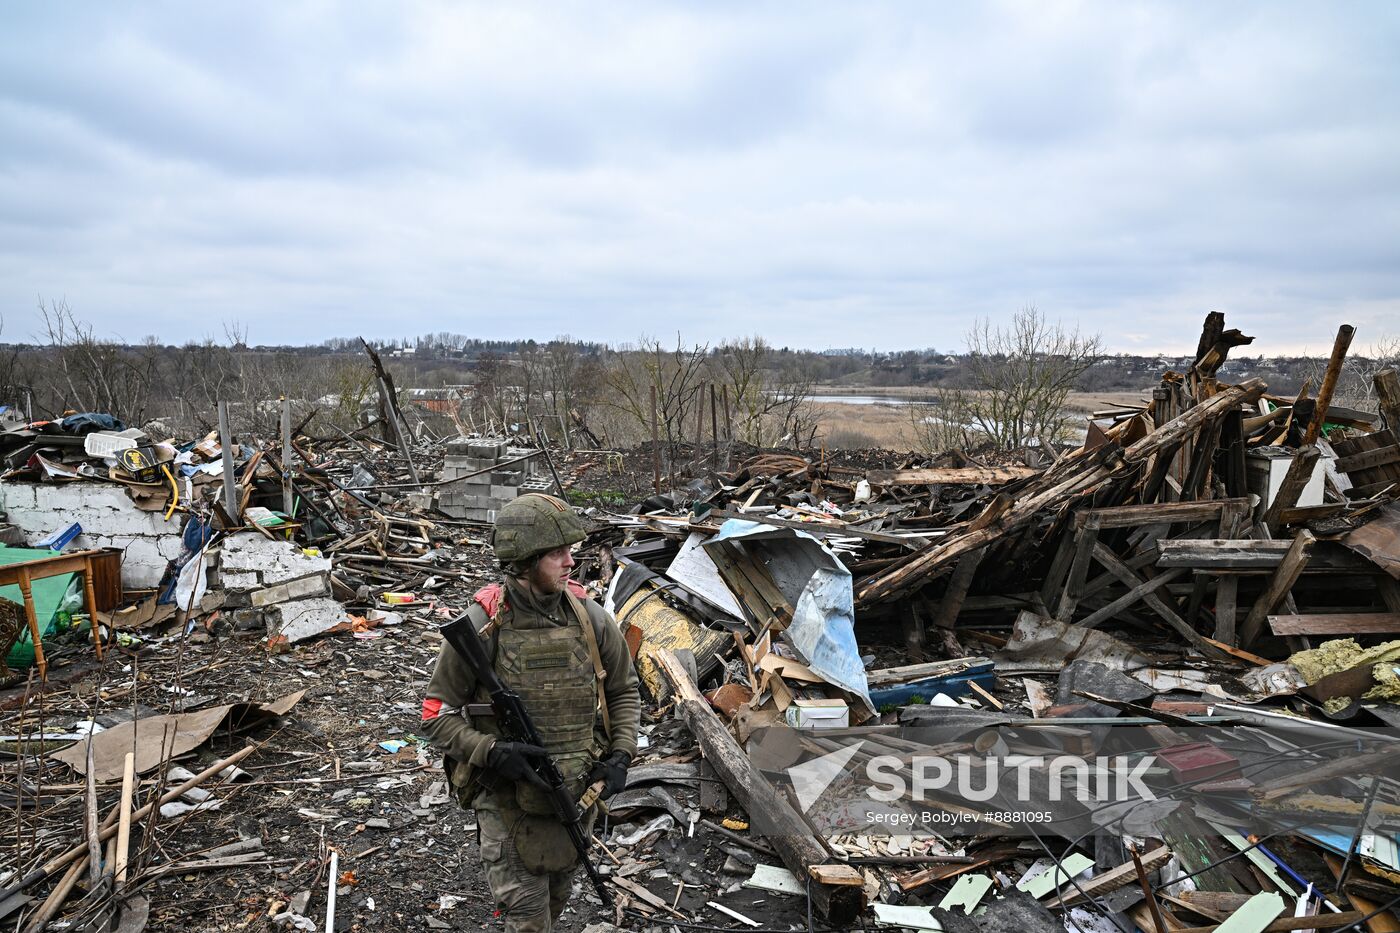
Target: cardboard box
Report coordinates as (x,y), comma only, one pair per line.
(818,714)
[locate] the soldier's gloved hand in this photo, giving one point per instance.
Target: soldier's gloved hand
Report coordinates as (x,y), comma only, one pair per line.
(511,760)
(612,771)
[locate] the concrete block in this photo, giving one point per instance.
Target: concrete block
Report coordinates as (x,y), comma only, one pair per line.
(304,618)
(232,580)
(273,561)
(503,494)
(477,502)
(468,464)
(304,588)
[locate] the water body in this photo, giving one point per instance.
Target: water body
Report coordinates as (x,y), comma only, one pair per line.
(893,400)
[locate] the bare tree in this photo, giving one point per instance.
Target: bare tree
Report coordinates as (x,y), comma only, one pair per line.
(768,401)
(92,374)
(940,424)
(675,374)
(1356,387)
(1021,375)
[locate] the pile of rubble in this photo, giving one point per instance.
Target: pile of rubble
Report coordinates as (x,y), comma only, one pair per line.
(1202,596)
(1241,545)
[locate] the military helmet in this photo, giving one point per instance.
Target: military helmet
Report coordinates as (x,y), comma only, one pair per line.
(534,524)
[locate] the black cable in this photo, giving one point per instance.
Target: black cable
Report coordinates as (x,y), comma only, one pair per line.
(1355,841)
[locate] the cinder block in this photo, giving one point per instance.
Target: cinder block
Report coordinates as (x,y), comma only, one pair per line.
(503,494)
(494,450)
(304,588)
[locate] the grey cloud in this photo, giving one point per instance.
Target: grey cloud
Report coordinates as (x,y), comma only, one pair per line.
(871,175)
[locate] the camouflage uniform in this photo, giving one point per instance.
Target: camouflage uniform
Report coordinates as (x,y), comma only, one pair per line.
(542,652)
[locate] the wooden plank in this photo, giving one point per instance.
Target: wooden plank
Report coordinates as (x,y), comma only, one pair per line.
(1087,537)
(1371,490)
(1329,383)
(1132,596)
(1198,474)
(1157,513)
(1382,922)
(928,476)
(1278,587)
(1054,581)
(1310,513)
(837,891)
(751,585)
(1325,921)
(1300,471)
(1338,623)
(889,676)
(1249,555)
(1110,880)
(958,586)
(1227,590)
(1387,383)
(1366,460)
(1232,446)
(1154,602)
(1221,553)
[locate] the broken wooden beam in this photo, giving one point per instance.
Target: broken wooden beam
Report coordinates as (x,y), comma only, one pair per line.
(929,476)
(837,890)
(1074,476)
(1157,513)
(1300,472)
(1287,573)
(1155,602)
(1329,383)
(1248,555)
(1110,880)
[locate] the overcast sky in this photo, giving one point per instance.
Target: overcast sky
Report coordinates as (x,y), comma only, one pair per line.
(824,175)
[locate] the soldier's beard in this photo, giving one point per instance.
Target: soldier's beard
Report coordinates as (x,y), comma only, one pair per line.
(545,583)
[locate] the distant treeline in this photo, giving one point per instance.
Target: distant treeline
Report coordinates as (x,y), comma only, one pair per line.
(566,387)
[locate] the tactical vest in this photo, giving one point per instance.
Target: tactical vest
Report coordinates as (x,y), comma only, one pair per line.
(552,668)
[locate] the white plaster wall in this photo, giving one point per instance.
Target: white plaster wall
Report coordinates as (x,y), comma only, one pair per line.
(108,517)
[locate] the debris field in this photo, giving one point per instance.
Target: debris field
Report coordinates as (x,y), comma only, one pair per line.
(215,649)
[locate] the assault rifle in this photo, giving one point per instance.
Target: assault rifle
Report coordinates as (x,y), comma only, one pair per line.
(516,726)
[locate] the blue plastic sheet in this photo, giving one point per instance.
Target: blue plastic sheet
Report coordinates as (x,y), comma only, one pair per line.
(818,586)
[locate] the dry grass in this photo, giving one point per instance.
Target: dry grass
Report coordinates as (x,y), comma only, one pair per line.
(849,426)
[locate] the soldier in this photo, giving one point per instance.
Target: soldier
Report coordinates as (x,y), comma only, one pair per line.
(564,655)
